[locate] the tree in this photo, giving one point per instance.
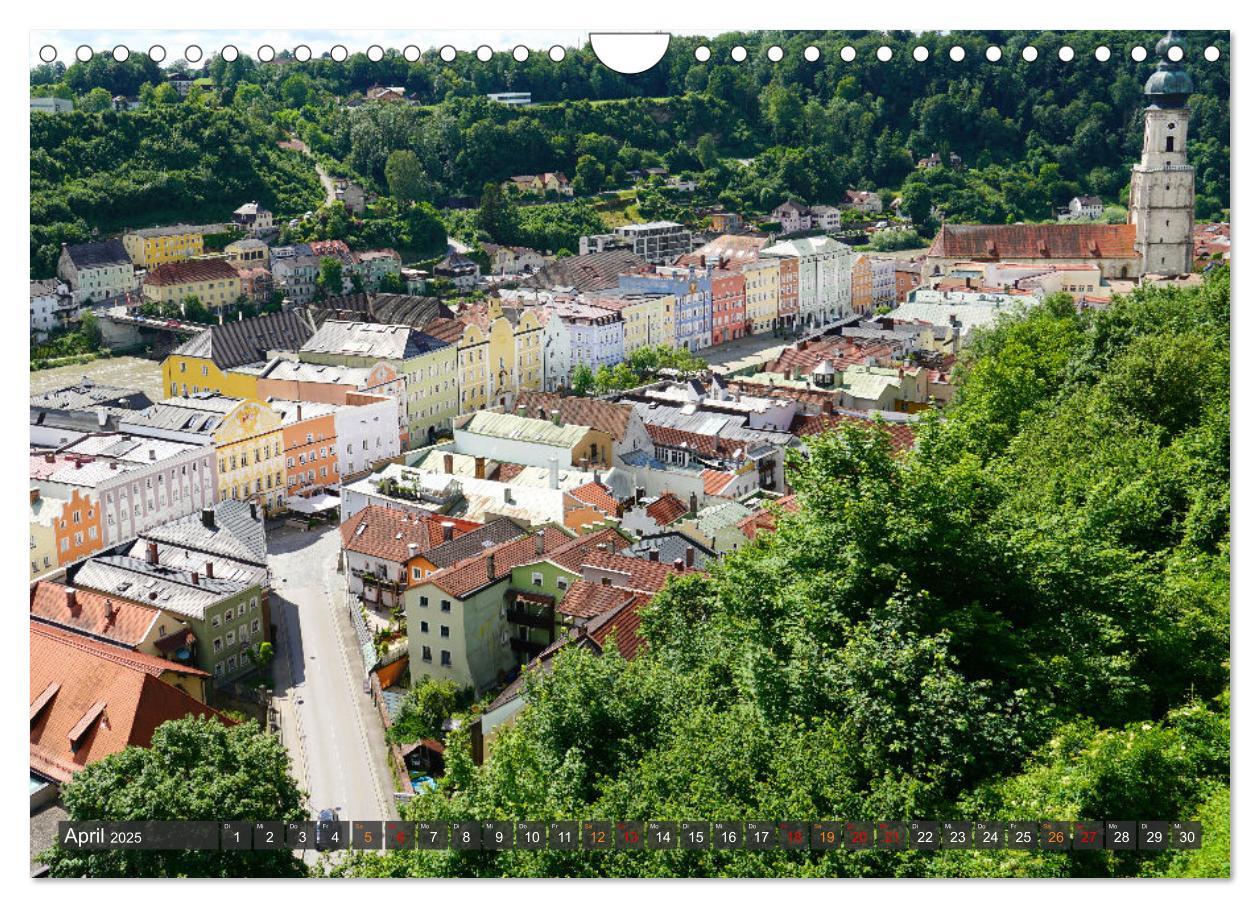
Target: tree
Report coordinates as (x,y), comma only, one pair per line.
(295,90)
(90,328)
(405,177)
(707,152)
(588,177)
(427,706)
(194,769)
(96,101)
(330,281)
(497,215)
(582,381)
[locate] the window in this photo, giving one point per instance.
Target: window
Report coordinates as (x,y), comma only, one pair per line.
(255,626)
(231,663)
(445,631)
(218,644)
(424,627)
(446,605)
(215,621)
(231,638)
(227,616)
(426,654)
(446,657)
(536,578)
(562,583)
(218,668)
(253,604)
(424,601)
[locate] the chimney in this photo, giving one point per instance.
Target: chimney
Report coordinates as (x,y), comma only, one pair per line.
(78,463)
(50,457)
(299,412)
(113,465)
(555,418)
(111,612)
(152,454)
(490,566)
(690,556)
(151,554)
(539,539)
(253,510)
(507,496)
(448,463)
(553,473)
(595,476)
(542,412)
(639,492)
(102,417)
(678,565)
(448,531)
(480,467)
(521,410)
(209,570)
(412,549)
(694,505)
(72,601)
(34,495)
(196,579)
(207,518)
(654,554)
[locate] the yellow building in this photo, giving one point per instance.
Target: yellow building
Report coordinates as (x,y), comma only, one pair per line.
(228,358)
(647,318)
(214,282)
(499,353)
(248,253)
(761,294)
(249,448)
(43,518)
(155,246)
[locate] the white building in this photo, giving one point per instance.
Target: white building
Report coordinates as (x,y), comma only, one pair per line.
(95,272)
(52,305)
(367,433)
(660,242)
(139,483)
(826,277)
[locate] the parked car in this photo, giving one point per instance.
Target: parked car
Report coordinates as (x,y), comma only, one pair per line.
(328,831)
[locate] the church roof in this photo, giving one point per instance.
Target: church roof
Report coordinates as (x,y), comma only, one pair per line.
(996,242)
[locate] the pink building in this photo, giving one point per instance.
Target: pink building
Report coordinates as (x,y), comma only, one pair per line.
(729,314)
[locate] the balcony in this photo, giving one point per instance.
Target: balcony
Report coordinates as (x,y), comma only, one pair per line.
(527,648)
(517,614)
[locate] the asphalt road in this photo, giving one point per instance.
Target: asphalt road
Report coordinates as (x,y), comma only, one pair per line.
(329,725)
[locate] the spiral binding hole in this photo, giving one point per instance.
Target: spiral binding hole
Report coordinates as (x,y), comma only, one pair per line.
(339,53)
(1029,53)
(157,53)
(812,54)
(774,53)
(1102,54)
(920,53)
(703,53)
(484,53)
(266,53)
(993,53)
(1138,53)
(884,53)
(230,53)
(192,53)
(556,53)
(301,53)
(739,53)
(957,54)
(520,53)
(121,53)
(83,53)
(1212,53)
(1066,54)
(848,54)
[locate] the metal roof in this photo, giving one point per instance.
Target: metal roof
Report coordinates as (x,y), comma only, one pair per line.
(155,584)
(521,428)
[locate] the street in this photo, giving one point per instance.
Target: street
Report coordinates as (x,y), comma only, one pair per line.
(330,726)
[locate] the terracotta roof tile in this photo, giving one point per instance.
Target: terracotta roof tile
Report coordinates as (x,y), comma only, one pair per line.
(620,627)
(901,434)
(765,519)
(638,574)
(597,495)
(175,273)
(103,699)
(93,613)
(473,573)
(581,411)
(666,509)
(715,481)
(1032,241)
(388,534)
(587,599)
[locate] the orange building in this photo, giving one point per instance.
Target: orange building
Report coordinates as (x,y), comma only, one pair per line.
(77,531)
(789,291)
(863,285)
(310,446)
(907,275)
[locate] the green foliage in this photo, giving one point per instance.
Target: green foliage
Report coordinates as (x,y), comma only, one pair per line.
(195,769)
(582,380)
(891,240)
(1026,616)
(330,280)
(112,170)
(428,704)
(406,177)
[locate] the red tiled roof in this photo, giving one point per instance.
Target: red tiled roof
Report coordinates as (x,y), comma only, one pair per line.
(586,599)
(715,481)
(678,438)
(473,573)
(843,352)
(1032,241)
(123,622)
(388,534)
(575,553)
(765,519)
(175,273)
(639,574)
(620,628)
(666,509)
(93,699)
(901,434)
(597,496)
(579,411)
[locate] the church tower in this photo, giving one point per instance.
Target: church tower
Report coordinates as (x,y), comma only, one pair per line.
(1161,194)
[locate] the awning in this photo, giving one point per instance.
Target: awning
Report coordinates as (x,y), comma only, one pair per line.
(314,504)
